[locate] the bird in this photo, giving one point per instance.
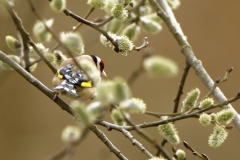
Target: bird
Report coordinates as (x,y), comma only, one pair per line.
(74,82)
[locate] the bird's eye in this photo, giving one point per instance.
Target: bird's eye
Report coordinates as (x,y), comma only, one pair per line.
(101,66)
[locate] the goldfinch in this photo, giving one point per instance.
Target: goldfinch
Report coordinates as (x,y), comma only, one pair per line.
(74,82)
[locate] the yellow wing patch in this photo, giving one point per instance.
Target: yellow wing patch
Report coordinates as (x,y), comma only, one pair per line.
(59,75)
(86,84)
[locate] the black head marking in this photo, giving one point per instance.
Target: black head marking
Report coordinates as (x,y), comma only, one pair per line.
(94,59)
(98,62)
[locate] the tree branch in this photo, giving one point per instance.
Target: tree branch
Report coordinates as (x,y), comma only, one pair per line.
(24,34)
(107,142)
(196,64)
(31,79)
(26,39)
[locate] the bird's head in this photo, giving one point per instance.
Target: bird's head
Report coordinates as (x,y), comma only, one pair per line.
(99,64)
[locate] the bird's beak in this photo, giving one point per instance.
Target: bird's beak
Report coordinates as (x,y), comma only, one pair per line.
(103,74)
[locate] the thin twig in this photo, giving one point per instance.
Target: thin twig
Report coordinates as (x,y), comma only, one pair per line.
(179,93)
(24,34)
(158,115)
(188,53)
(26,39)
(91,24)
(180,87)
(39,52)
(136,143)
(195,153)
(96,27)
(173,119)
(21,50)
(53,34)
(144,45)
(31,79)
(107,142)
(105,21)
(75,28)
(148,138)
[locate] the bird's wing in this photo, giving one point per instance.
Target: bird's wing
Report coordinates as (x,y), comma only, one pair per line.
(76,79)
(66,87)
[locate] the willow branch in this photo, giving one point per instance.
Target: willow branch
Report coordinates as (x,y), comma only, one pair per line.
(90,24)
(173,119)
(53,34)
(196,64)
(75,28)
(136,143)
(141,133)
(148,138)
(26,39)
(31,79)
(194,152)
(107,142)
(24,34)
(105,21)
(180,87)
(179,93)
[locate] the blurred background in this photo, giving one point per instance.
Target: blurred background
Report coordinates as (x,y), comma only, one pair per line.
(31,123)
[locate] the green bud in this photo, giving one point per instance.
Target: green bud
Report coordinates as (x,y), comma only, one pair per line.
(95,109)
(60,57)
(174,4)
(71,134)
(124,44)
(205,119)
(81,114)
(190,100)
(132,31)
(104,41)
(158,66)
(120,90)
(119,12)
(114,26)
(144,10)
(12,43)
(154,17)
(34,54)
(51,57)
(34,66)
(117,117)
(218,137)
(181,155)
(109,5)
(207,102)
(213,117)
(41,32)
(97,3)
(150,26)
(73,41)
(225,116)
(134,105)
(169,133)
(58,5)
(105,91)
(5,66)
